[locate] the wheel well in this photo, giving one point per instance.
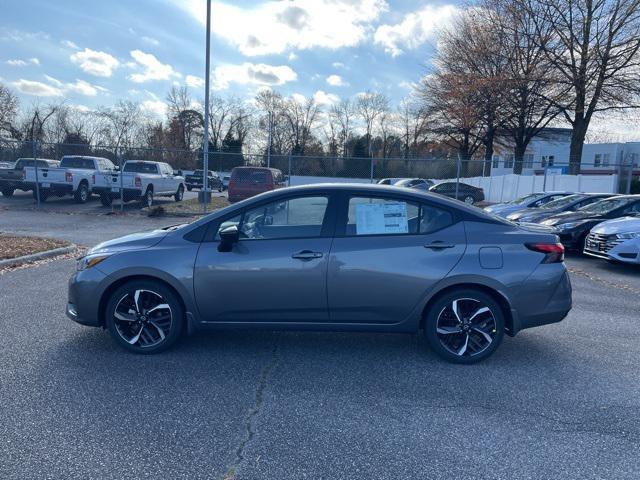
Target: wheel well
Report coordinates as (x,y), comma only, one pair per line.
(106,295)
(500,300)
(84,181)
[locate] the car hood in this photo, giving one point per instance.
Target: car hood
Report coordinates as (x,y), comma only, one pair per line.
(568,217)
(135,241)
(618,225)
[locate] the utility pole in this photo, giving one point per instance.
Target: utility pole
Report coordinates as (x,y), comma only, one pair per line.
(205,197)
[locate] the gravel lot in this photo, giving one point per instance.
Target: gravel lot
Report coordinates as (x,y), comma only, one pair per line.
(561,401)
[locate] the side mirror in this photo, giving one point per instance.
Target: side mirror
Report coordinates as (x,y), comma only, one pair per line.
(229,236)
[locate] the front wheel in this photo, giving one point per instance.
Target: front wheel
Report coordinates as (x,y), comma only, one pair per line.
(7,192)
(144,317)
(179,194)
(464,326)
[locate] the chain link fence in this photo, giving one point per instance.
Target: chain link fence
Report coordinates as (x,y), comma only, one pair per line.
(496,178)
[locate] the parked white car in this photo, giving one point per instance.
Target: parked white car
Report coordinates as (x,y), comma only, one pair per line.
(616,240)
(75,176)
(140,180)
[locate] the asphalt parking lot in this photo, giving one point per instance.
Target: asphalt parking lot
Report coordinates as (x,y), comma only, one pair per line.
(561,401)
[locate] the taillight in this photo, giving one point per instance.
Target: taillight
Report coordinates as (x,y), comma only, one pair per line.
(68,176)
(554,252)
(138,181)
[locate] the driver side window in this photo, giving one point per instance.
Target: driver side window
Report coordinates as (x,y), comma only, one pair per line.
(300,217)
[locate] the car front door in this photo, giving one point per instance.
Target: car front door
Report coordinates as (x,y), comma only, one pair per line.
(277,270)
(387,254)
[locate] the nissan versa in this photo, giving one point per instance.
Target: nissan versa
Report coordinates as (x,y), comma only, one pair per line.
(329,257)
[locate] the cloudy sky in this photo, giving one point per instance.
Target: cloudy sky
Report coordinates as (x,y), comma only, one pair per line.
(93,52)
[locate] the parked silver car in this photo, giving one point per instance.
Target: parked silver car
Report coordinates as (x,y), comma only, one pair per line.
(329,257)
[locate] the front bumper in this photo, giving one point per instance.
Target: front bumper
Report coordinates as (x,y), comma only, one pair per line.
(623,251)
(84,297)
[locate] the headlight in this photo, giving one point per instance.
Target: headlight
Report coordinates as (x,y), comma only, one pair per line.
(89,261)
(628,235)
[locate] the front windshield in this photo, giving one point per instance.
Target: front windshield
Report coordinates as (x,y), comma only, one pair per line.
(526,198)
(605,206)
(562,202)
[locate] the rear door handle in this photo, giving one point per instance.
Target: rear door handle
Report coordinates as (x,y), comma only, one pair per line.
(437,245)
(307,255)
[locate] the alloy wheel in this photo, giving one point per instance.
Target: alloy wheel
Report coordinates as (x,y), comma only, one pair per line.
(143,318)
(466,327)
(468,200)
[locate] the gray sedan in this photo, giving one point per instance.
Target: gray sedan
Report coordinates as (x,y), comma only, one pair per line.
(329,257)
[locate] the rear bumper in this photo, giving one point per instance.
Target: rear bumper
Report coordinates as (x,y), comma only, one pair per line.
(128,192)
(546,298)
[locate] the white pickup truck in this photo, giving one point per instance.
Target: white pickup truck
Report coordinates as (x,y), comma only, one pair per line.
(75,176)
(140,180)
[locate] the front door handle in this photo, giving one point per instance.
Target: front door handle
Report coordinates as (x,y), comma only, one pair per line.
(307,255)
(438,245)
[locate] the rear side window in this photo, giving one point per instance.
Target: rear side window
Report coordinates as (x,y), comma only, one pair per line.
(77,162)
(253,177)
(386,216)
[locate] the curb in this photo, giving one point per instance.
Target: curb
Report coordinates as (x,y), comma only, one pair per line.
(12,262)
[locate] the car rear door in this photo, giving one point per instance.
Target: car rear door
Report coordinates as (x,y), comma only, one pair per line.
(277,271)
(387,254)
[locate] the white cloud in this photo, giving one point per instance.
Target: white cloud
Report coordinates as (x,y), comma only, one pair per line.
(100,64)
(323,98)
(156,108)
(83,88)
(252,73)
(23,63)
(80,108)
(336,81)
(38,89)
(150,40)
(337,65)
(70,44)
(152,68)
(194,81)
(278,26)
(292,57)
(414,29)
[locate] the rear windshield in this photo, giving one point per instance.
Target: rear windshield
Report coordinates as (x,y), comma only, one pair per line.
(140,167)
(78,162)
(251,176)
(563,201)
(605,206)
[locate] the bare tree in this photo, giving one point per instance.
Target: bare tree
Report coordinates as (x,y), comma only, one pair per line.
(369,106)
(412,122)
(593,45)
(342,114)
(301,116)
(121,120)
(8,111)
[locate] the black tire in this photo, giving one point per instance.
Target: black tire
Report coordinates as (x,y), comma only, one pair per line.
(8,192)
(189,188)
(156,333)
(179,194)
(469,200)
(44,194)
(461,338)
(106,199)
(147,198)
(81,195)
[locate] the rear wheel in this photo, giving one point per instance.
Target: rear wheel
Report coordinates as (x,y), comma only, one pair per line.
(179,194)
(7,192)
(464,326)
(81,195)
(469,200)
(144,317)
(147,199)
(106,199)
(189,188)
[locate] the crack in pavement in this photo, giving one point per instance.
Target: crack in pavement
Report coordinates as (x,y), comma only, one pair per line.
(252,413)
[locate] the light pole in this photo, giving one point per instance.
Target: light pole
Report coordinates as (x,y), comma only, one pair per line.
(205,148)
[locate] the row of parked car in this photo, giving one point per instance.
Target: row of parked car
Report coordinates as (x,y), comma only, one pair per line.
(82,176)
(458,190)
(602,225)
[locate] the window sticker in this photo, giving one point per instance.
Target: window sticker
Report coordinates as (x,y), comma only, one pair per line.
(381,218)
